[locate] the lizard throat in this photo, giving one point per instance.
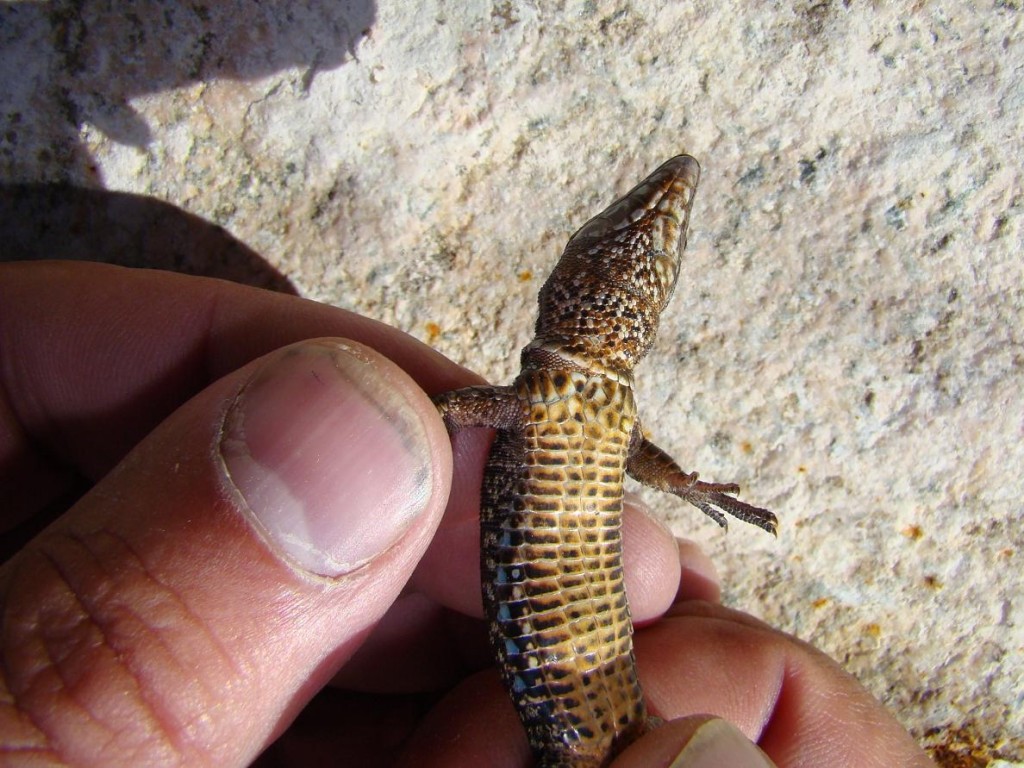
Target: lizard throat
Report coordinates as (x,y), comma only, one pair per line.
(551,354)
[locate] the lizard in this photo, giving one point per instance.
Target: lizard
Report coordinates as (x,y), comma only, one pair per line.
(567,432)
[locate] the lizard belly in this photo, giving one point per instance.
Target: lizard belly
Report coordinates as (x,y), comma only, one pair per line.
(552,567)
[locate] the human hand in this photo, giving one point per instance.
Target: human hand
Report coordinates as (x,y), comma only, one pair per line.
(258,521)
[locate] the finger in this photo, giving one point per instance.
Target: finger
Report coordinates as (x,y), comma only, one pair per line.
(798,706)
(93,357)
(188,606)
(418,646)
(651,561)
(796,703)
(340,727)
(474,725)
(699,579)
(694,742)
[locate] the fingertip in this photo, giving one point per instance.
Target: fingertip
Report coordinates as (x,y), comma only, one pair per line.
(699,579)
(661,745)
(700,741)
(474,724)
(650,561)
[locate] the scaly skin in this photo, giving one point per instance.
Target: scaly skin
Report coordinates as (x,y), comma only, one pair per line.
(551,506)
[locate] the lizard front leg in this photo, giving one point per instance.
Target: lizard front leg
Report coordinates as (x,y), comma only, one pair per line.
(479,406)
(650,465)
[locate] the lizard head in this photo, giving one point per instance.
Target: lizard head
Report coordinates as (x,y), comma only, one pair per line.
(603,300)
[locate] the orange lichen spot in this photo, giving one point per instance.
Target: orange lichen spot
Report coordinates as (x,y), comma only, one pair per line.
(821,602)
(963,746)
(433,332)
(932,582)
(801,469)
(873,630)
(746,447)
(525,276)
(912,532)
(1006,553)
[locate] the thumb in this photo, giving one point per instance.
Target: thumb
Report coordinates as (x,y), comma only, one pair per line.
(186,608)
(700,741)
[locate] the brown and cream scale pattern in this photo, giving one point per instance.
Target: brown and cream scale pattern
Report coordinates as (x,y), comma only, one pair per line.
(552,569)
(551,502)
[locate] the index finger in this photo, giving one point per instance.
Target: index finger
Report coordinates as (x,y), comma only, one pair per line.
(93,356)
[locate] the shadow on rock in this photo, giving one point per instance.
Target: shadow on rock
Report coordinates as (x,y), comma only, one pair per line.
(66,63)
(62,221)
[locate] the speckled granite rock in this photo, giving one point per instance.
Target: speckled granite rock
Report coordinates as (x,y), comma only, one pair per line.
(846,340)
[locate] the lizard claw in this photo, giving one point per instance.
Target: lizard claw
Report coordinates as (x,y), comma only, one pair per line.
(710,498)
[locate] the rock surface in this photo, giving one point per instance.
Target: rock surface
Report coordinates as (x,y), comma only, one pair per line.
(847,338)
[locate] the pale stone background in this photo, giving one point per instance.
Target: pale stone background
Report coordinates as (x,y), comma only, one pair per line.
(846,339)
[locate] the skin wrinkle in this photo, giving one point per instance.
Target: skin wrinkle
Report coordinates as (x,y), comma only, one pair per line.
(8,374)
(226,659)
(772,726)
(56,667)
(91,615)
(49,757)
(225,656)
(42,431)
(29,446)
(212,307)
(13,701)
(165,725)
(36,443)
(18,433)
(865,718)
